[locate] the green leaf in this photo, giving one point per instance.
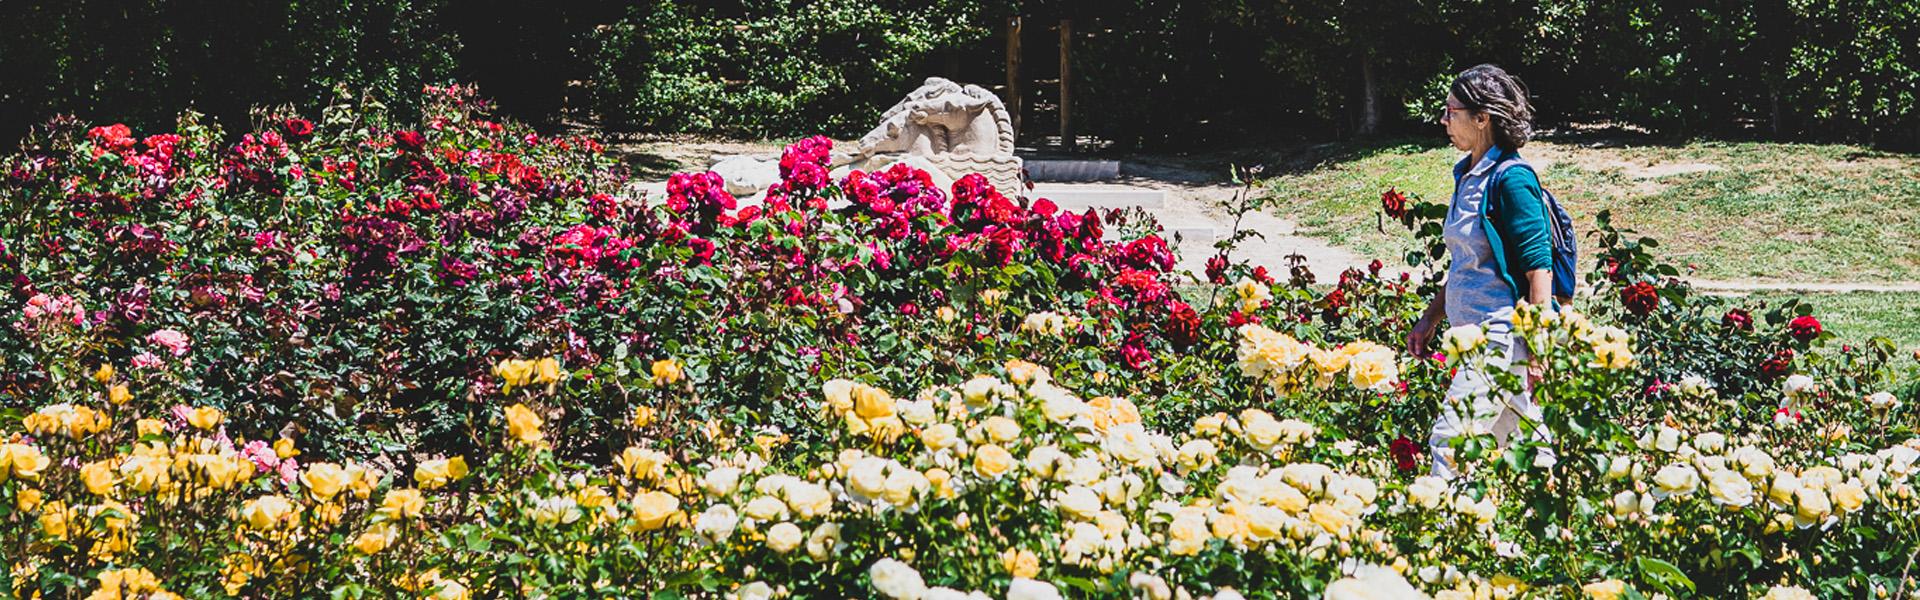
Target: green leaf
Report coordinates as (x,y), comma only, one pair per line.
(1663,574)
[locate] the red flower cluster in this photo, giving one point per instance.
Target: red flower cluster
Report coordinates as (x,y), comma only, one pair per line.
(894,197)
(1738,318)
(297,129)
(586,246)
(803,166)
(1150,253)
(1804,328)
(1394,203)
(1406,454)
(1778,366)
(703,194)
(1640,298)
(409,140)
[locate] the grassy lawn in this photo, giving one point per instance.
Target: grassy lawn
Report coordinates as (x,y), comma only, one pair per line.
(1725,210)
(1858,316)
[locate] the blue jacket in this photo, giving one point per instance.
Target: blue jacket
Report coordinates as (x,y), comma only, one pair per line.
(1515,219)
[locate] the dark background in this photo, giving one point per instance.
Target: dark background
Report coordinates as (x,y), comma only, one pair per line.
(1145,73)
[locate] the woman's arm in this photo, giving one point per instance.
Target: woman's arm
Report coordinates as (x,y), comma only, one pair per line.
(1423,329)
(1539,286)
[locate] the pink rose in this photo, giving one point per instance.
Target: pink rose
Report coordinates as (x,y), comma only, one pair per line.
(173,341)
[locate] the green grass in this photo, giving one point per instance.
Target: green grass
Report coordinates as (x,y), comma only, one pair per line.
(1855,317)
(1768,212)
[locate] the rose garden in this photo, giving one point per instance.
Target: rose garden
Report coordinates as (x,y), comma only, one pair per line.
(363,356)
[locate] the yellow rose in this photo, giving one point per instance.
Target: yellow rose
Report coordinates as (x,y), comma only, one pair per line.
(284,449)
(403,504)
(946,314)
(547,370)
(267,512)
(1811,506)
(1020,563)
(1611,589)
(513,373)
(99,478)
(28,499)
(667,371)
(205,417)
(940,436)
(376,538)
(523,425)
(1329,518)
(642,416)
(1848,496)
(1026,373)
(654,508)
(118,394)
(325,480)
(56,520)
(839,393)
(992,461)
(1188,534)
(1001,429)
(642,464)
(104,374)
(993,297)
(21,460)
(434,474)
(784,536)
(147,427)
(871,402)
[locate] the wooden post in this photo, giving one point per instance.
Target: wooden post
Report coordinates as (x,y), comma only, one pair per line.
(1013,72)
(1066,76)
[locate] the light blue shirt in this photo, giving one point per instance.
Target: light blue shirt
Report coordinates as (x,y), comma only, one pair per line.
(1476,294)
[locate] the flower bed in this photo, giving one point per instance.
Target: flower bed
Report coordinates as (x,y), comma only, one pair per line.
(456,358)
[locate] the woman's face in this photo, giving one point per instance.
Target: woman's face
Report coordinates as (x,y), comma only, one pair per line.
(1465,128)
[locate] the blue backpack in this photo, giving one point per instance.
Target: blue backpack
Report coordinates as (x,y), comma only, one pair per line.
(1565,254)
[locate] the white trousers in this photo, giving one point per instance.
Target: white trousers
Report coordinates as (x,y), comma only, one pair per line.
(1475,403)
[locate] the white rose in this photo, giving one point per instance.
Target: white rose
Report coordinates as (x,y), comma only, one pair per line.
(1028,589)
(758,590)
(721,482)
(1710,442)
(716,523)
(1883,401)
(1797,385)
(1729,488)
(784,536)
(1667,440)
(1675,480)
(1079,502)
(766,508)
(897,580)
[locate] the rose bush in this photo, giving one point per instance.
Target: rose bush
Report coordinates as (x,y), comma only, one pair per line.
(452,358)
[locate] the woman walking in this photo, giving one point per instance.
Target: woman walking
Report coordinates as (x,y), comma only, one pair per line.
(1498,235)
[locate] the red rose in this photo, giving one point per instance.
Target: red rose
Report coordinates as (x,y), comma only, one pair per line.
(1640,298)
(297,128)
(1134,352)
(1738,318)
(1804,328)
(1394,203)
(1183,325)
(411,141)
(1374,267)
(1217,270)
(1405,454)
(1780,365)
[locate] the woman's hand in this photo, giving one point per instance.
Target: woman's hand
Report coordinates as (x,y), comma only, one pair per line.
(1421,335)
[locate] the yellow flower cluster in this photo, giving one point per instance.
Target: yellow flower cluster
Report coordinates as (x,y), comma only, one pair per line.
(71,421)
(868,411)
(1741,477)
(1252,294)
(517,372)
(1049,323)
(1289,365)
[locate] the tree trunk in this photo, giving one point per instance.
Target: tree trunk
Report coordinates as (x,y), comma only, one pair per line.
(1370,100)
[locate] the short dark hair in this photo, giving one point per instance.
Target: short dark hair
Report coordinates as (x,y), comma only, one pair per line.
(1491,90)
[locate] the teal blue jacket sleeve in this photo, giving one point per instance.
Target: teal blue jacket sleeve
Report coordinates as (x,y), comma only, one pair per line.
(1520,215)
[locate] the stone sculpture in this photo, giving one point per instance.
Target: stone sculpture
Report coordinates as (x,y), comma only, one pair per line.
(959,128)
(944,127)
